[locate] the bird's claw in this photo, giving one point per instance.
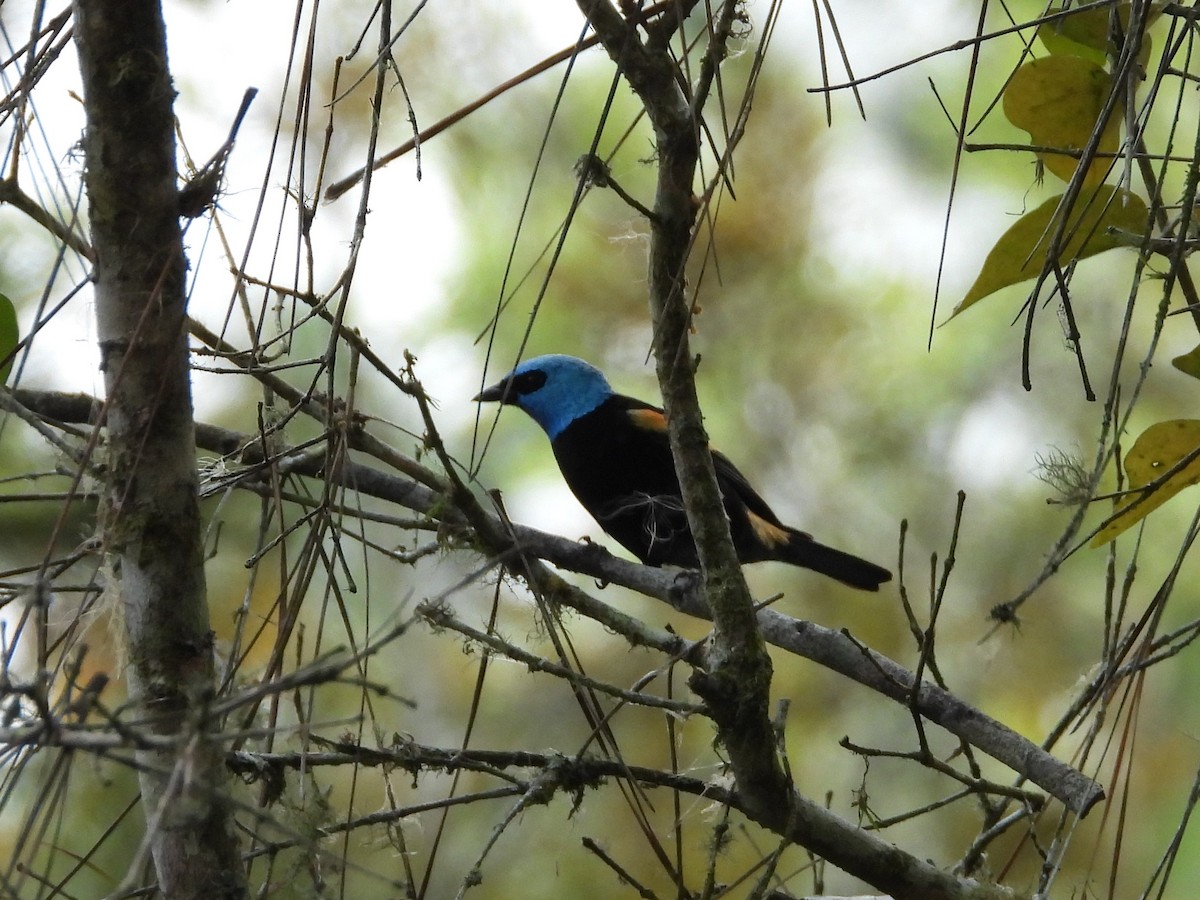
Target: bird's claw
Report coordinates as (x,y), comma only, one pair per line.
(685,584)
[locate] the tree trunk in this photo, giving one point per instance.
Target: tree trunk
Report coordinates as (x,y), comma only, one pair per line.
(151,520)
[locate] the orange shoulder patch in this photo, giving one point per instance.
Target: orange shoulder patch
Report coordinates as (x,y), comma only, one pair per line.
(649,419)
(770,536)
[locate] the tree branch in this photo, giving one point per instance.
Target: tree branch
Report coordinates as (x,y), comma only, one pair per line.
(835,650)
(736,679)
(910,877)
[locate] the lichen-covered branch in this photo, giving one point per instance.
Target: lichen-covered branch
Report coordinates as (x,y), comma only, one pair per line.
(151,517)
(736,678)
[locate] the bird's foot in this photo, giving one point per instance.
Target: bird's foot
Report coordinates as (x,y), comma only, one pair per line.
(687,582)
(595,554)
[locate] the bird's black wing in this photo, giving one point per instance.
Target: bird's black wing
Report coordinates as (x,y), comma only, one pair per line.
(617,461)
(759,535)
(733,482)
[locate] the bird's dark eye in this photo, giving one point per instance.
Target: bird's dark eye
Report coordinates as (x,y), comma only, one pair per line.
(528,382)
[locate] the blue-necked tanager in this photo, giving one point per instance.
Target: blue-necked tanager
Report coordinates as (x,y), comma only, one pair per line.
(614,453)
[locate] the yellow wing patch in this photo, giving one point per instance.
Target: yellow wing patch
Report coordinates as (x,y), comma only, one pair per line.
(769,535)
(649,419)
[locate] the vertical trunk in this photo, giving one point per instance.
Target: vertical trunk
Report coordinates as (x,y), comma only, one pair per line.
(152,522)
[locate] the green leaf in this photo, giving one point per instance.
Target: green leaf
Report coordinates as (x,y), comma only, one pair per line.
(1058,100)
(1089,33)
(9,336)
(1189,363)
(1021,251)
(1061,39)
(1160,448)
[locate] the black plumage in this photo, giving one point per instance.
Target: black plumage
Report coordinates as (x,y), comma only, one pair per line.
(615,455)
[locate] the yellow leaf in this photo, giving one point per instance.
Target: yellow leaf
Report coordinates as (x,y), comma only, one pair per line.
(1189,363)
(1021,251)
(1156,452)
(1058,100)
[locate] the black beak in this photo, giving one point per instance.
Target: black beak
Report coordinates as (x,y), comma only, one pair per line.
(496,392)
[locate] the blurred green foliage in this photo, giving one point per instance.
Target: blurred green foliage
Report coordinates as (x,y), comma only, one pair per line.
(821,375)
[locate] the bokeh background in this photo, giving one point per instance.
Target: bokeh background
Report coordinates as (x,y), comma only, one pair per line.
(829,372)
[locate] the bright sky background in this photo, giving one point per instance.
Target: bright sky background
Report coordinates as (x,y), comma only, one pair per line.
(869,207)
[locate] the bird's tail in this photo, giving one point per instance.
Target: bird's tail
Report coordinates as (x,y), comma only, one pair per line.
(802,550)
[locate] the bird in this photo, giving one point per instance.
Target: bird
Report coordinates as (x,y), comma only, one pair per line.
(614,453)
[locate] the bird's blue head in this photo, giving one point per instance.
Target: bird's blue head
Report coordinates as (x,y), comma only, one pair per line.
(555,390)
